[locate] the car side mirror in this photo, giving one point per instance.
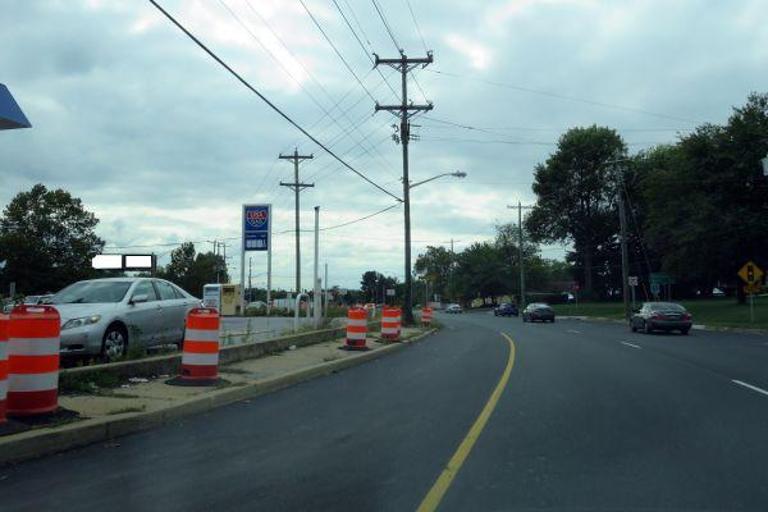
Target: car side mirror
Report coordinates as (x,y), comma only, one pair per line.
(136,299)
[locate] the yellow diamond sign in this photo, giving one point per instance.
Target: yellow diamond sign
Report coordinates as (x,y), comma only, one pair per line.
(751,273)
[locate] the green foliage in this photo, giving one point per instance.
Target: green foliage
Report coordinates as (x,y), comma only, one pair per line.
(576,196)
(435,266)
(191,270)
(47,240)
(373,286)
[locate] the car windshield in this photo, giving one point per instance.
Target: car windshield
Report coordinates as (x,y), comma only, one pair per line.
(92,292)
(666,306)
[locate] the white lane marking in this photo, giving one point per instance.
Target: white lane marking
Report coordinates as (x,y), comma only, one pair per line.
(750,386)
(631,345)
(573,331)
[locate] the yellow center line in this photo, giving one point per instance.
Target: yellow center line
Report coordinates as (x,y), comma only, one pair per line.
(435,495)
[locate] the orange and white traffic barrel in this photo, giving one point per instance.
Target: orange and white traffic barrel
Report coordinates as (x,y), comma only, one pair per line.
(357,329)
(200,353)
(390,323)
(426,316)
(4,321)
(34,340)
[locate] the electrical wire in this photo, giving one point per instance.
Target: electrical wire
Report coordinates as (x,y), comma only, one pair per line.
(416,24)
(326,112)
(386,25)
(267,101)
(565,97)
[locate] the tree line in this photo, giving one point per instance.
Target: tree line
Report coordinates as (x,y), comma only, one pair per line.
(696,209)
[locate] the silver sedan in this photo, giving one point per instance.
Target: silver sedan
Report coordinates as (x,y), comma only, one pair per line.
(103,316)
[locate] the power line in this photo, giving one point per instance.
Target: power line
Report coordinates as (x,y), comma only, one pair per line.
(496,129)
(362,47)
(265,100)
(336,50)
(386,25)
(416,24)
(565,97)
(361,218)
(327,113)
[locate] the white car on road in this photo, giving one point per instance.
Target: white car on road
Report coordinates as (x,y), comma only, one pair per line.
(105,316)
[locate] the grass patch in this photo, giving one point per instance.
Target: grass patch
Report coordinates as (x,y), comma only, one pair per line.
(93,383)
(720,312)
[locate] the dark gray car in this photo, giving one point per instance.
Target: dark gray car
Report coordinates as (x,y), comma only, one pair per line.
(538,311)
(661,316)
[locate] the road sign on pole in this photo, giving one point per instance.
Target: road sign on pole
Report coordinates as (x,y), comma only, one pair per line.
(257,236)
(632,280)
(751,273)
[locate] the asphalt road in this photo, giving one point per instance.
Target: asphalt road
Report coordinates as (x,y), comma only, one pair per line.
(593,417)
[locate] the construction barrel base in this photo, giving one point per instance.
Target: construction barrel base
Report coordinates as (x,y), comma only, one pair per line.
(353,348)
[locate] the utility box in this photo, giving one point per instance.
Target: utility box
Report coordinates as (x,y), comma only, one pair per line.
(230,299)
(224,297)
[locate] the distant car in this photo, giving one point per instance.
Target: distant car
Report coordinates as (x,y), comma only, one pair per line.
(538,311)
(257,304)
(506,309)
(454,309)
(661,316)
(104,316)
(32,300)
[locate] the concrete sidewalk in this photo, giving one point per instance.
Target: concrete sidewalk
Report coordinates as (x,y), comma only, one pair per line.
(143,403)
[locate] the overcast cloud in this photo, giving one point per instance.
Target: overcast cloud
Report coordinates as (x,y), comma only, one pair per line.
(164,146)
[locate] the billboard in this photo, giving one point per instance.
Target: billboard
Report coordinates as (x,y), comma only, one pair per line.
(257,224)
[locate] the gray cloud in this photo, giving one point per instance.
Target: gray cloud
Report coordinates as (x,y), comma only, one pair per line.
(165,146)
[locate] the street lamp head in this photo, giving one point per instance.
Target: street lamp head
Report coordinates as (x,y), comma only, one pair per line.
(459,174)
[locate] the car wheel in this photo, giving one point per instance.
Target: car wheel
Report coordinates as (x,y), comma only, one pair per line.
(684,332)
(115,344)
(632,327)
(646,328)
(553,320)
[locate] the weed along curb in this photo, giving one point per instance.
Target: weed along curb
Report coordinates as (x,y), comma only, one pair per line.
(45,441)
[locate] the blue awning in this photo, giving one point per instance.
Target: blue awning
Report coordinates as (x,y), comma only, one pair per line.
(11,115)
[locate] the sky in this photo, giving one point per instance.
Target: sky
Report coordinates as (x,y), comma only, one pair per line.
(164,146)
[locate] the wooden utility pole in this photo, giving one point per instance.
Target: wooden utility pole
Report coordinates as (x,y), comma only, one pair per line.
(520,251)
(404,111)
(297,187)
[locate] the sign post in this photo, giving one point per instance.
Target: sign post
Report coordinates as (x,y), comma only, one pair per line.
(753,276)
(633,281)
(257,236)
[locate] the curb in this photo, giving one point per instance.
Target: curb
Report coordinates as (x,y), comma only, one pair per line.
(37,443)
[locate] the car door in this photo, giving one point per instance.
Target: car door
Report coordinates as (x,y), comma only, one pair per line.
(172,312)
(143,317)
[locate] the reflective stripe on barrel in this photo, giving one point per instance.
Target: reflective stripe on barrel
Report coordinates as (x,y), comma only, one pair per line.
(33,360)
(357,327)
(4,321)
(426,315)
(200,356)
(390,323)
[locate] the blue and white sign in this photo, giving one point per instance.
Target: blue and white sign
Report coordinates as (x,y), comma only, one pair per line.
(256,227)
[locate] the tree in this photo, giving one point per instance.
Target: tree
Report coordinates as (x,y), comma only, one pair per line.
(576,192)
(193,271)
(706,200)
(435,266)
(47,240)
(480,272)
(368,285)
(373,286)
